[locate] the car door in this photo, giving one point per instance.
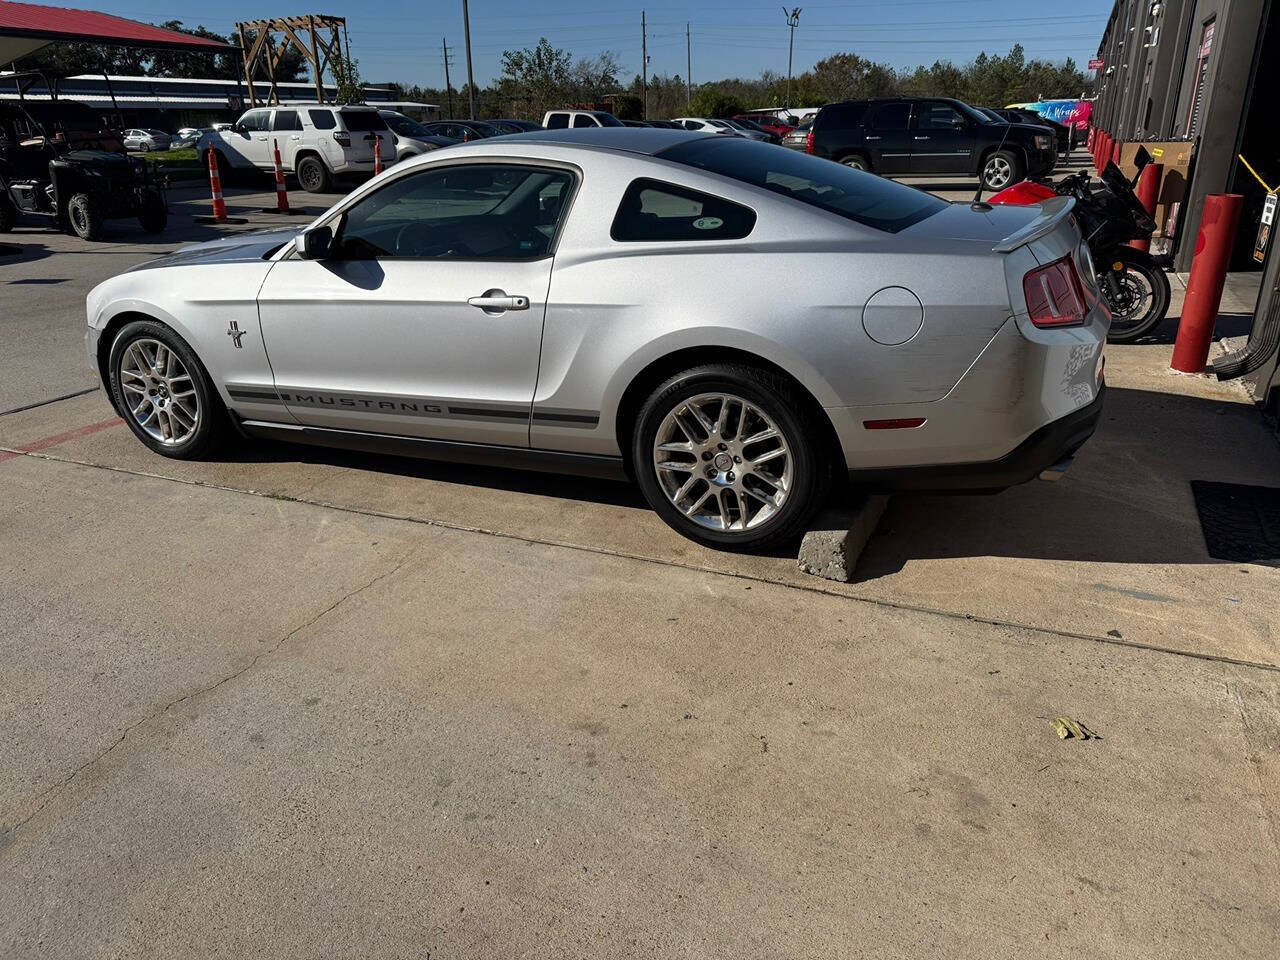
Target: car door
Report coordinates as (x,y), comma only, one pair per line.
(248,138)
(942,140)
(888,137)
(286,133)
(427,319)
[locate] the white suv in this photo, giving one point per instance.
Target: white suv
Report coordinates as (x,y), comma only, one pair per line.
(317,142)
(563,119)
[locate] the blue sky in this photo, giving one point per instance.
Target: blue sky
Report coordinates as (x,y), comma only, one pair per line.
(400,40)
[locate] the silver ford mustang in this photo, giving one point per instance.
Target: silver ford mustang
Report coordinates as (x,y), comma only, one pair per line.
(731,324)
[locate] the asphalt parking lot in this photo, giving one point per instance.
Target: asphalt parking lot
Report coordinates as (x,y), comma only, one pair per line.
(298,703)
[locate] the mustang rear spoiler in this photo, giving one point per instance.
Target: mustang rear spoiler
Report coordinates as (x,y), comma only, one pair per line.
(1052,212)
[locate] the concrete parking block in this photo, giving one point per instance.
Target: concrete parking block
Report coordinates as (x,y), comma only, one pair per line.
(831,547)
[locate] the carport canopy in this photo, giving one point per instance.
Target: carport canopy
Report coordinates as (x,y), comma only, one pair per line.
(26,27)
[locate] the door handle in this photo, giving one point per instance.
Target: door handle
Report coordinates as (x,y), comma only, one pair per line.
(920,138)
(497,301)
(870,138)
(295,137)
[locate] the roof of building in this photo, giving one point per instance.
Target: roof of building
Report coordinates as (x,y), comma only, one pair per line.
(26,27)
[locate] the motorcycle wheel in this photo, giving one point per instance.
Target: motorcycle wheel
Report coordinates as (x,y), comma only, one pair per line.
(1136,291)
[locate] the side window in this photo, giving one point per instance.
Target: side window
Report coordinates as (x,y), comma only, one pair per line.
(842,116)
(892,116)
(557,121)
(255,120)
(938,116)
(583,120)
(480,212)
(322,119)
(286,120)
(652,210)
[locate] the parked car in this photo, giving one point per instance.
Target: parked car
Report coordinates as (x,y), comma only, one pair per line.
(514,126)
(61,166)
(542,301)
(766,122)
(563,119)
(1061,132)
(798,137)
(933,136)
(754,131)
(706,125)
(634,123)
(665,124)
(146,140)
(317,142)
(463,131)
(412,138)
(186,137)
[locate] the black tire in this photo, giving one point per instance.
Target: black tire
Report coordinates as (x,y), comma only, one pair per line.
(211,424)
(792,414)
(313,175)
(855,161)
(84,216)
(153,214)
(8,212)
(144,147)
(1133,316)
(1000,169)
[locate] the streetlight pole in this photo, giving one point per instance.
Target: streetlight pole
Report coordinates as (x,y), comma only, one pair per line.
(688,68)
(471,83)
(793,18)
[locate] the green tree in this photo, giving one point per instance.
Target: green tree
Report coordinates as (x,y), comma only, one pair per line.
(711,101)
(346,76)
(534,80)
(187,63)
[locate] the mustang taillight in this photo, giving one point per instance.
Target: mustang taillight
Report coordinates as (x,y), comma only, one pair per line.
(1055,296)
(808,143)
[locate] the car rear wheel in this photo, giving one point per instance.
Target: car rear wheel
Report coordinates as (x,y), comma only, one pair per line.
(8,212)
(84,216)
(1001,169)
(855,161)
(727,456)
(313,175)
(163,392)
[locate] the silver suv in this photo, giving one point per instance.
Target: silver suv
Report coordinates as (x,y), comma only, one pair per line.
(317,142)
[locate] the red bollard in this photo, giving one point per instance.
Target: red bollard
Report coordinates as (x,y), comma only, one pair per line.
(1115,153)
(1088,139)
(1103,150)
(215,185)
(1217,236)
(1148,192)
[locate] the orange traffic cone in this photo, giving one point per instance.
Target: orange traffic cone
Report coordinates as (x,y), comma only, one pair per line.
(377,156)
(219,205)
(282,194)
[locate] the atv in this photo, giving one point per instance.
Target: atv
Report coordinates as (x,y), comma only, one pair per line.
(59,163)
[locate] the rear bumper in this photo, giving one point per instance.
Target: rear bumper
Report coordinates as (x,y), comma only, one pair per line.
(1044,448)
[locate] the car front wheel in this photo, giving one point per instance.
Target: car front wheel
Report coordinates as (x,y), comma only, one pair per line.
(163,392)
(1001,169)
(727,455)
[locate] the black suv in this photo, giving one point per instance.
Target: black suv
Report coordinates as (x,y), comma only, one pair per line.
(935,136)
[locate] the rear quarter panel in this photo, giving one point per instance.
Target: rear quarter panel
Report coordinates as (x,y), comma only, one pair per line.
(792,293)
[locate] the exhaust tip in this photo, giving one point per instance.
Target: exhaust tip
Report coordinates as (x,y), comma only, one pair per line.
(1057,471)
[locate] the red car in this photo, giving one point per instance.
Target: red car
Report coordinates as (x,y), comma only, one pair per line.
(767,122)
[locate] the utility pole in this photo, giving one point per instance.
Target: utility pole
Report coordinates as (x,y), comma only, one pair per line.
(793,18)
(448,88)
(688,69)
(644,68)
(471,83)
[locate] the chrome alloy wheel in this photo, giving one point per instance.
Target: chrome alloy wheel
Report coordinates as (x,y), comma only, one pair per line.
(997,173)
(159,392)
(723,462)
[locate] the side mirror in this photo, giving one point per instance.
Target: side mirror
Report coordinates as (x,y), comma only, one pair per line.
(315,244)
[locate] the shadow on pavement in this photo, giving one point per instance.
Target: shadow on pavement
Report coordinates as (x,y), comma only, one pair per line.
(1126,499)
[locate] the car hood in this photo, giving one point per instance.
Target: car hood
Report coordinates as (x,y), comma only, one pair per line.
(959,221)
(244,247)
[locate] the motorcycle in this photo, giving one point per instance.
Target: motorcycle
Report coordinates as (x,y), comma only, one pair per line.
(1135,288)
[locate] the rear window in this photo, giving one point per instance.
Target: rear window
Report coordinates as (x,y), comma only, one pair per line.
(861,197)
(322,119)
(361,121)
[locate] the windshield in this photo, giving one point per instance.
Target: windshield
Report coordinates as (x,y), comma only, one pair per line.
(608,120)
(861,197)
(991,116)
(410,128)
(973,113)
(485,129)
